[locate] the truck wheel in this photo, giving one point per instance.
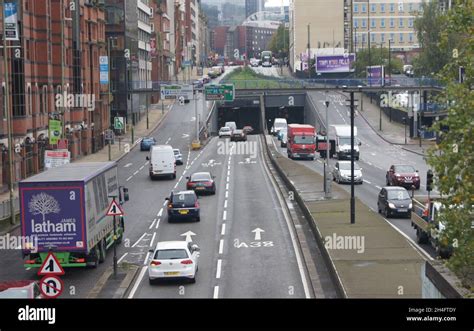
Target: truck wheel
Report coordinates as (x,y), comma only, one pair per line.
(93,258)
(421,237)
(102,251)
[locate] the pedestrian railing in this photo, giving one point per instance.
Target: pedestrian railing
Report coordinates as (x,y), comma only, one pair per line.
(5,208)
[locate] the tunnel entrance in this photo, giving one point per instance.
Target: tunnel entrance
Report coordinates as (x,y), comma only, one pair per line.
(242,116)
(292,115)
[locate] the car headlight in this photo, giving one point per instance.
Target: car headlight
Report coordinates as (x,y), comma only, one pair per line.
(391,205)
(410,206)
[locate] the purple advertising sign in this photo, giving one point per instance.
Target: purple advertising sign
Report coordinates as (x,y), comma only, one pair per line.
(334,63)
(54,216)
(375,75)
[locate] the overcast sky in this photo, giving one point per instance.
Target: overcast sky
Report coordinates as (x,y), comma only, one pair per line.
(275,3)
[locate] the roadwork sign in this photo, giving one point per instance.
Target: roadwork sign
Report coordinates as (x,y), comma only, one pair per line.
(51,286)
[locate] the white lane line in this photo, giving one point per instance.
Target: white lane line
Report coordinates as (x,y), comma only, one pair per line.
(129,178)
(135,244)
(319,161)
(378,187)
(160,212)
(158,224)
(219,267)
(221,246)
(225,204)
(224,216)
(227,186)
(152,224)
(137,283)
(141,168)
(147,162)
(136,172)
(167,141)
(228,172)
(226,194)
(176,185)
(152,239)
(223,230)
(369,163)
(128,165)
(146,258)
(228,167)
(180,178)
(164,203)
(121,258)
(216,292)
(366,181)
(228,179)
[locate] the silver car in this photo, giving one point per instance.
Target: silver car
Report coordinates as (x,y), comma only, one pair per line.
(342,172)
(178,156)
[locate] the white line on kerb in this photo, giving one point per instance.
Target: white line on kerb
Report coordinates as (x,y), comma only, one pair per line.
(223,230)
(216,292)
(152,239)
(121,258)
(221,246)
(224,216)
(135,244)
(219,266)
(137,283)
(158,224)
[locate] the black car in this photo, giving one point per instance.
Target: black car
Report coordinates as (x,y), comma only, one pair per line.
(238,135)
(394,201)
(183,205)
(201,182)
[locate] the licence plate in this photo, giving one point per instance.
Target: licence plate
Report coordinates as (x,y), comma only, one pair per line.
(402,210)
(408,181)
(174,273)
(200,188)
(184,212)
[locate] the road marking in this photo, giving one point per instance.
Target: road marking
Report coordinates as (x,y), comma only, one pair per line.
(223,230)
(227,186)
(160,212)
(228,172)
(129,178)
(221,246)
(141,168)
(225,204)
(166,143)
(135,244)
(176,185)
(366,181)
(121,258)
(137,283)
(224,216)
(147,163)
(180,179)
(226,194)
(128,165)
(216,292)
(164,203)
(136,172)
(152,239)
(219,266)
(158,224)
(378,187)
(146,258)
(228,179)
(369,163)
(319,161)
(153,223)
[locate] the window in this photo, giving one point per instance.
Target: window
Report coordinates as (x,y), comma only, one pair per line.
(382,37)
(392,8)
(401,37)
(356,8)
(410,37)
(392,22)
(400,22)
(364,23)
(372,23)
(372,37)
(400,7)
(364,8)
(410,22)
(356,23)
(392,37)
(382,8)
(372,8)
(410,7)
(382,22)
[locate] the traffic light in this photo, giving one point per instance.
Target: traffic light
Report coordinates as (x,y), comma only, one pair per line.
(429,180)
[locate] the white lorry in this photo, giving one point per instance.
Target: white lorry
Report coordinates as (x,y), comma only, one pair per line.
(340,140)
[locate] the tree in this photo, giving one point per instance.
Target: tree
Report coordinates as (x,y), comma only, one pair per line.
(453,158)
(280,42)
(378,56)
(43,204)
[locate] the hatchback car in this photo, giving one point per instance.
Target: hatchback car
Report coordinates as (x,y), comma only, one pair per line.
(238,135)
(225,132)
(284,140)
(201,182)
(146,143)
(183,205)
(174,260)
(247,129)
(342,172)
(281,132)
(403,175)
(178,156)
(394,201)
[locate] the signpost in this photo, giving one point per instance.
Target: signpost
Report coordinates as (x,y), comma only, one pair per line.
(55,131)
(51,286)
(176,91)
(56,158)
(115,210)
(104,70)
(119,123)
(51,266)
(221,92)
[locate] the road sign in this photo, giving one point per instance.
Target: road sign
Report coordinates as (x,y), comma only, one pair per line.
(221,92)
(175,91)
(119,123)
(50,266)
(104,69)
(56,158)
(51,286)
(114,209)
(109,135)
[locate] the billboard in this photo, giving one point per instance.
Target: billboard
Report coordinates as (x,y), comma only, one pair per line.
(54,216)
(104,69)
(334,63)
(10,13)
(376,75)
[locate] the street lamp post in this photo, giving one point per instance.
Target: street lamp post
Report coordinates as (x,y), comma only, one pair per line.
(352,105)
(405,124)
(327,182)
(309,51)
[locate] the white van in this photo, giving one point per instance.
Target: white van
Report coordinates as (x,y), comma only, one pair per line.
(231,125)
(278,125)
(162,161)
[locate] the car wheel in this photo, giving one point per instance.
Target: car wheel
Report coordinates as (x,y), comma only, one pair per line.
(193,280)
(198,219)
(151,281)
(387,182)
(386,212)
(174,176)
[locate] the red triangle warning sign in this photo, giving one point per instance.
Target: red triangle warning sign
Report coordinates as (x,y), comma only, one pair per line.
(114,209)
(51,266)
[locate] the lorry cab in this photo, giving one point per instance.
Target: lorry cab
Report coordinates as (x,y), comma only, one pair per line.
(340,139)
(162,161)
(301,141)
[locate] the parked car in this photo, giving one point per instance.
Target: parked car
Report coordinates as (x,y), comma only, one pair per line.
(201,182)
(342,172)
(253,62)
(183,205)
(403,175)
(394,201)
(146,143)
(284,140)
(238,135)
(248,129)
(225,132)
(20,289)
(178,156)
(174,260)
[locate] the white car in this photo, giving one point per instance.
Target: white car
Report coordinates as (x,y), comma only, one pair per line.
(342,172)
(225,131)
(174,260)
(178,156)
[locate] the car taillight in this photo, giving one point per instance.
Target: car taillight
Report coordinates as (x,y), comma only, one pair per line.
(208,183)
(196,204)
(82,260)
(30,262)
(187,262)
(155,263)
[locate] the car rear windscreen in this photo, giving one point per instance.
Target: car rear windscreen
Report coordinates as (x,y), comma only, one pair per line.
(170,254)
(187,199)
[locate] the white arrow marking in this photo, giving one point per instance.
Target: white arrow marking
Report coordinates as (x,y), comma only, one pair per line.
(258,231)
(188,235)
(185,136)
